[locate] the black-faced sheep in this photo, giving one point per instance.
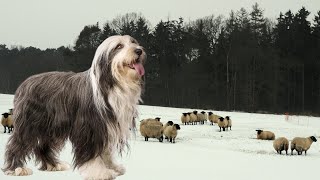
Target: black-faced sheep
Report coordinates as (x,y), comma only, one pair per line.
(171,132)
(229,122)
(185,118)
(222,123)
(301,144)
(169,123)
(194,117)
(213,118)
(7,122)
(281,144)
(265,135)
(202,117)
(151,128)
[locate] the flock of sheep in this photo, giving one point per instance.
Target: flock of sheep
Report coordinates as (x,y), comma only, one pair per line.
(280,144)
(195,117)
(7,121)
(153,128)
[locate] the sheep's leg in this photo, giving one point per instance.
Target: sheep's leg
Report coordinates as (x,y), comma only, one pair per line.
(171,140)
(174,140)
(224,129)
(230,128)
(5,129)
(220,129)
(305,153)
(161,139)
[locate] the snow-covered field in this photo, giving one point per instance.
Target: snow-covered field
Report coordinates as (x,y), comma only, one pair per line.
(202,152)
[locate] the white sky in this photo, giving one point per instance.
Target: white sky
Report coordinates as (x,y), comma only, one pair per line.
(50,24)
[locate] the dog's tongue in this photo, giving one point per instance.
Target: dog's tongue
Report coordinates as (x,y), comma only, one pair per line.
(139,68)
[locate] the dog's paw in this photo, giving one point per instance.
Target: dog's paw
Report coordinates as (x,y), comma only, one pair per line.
(120,169)
(19,172)
(61,166)
(107,174)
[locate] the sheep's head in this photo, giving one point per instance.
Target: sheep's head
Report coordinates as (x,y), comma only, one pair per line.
(195,112)
(177,126)
(5,115)
(189,113)
(184,114)
(228,118)
(157,118)
(210,113)
(221,118)
(314,139)
(259,131)
(202,112)
(170,123)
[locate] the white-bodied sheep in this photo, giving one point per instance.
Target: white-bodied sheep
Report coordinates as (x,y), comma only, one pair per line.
(7,122)
(281,144)
(265,135)
(194,117)
(222,123)
(151,128)
(213,118)
(201,117)
(171,132)
(185,118)
(169,123)
(301,144)
(229,122)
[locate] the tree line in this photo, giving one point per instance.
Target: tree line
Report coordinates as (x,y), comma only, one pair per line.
(243,62)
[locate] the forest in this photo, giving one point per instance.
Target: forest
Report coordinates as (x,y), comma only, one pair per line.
(242,62)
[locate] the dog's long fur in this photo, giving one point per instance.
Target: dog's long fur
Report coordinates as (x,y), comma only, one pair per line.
(94,109)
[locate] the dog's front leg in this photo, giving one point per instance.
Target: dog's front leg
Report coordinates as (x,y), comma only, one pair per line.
(108,158)
(96,169)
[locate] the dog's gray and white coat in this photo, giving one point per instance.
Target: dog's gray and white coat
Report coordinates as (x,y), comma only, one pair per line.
(93,109)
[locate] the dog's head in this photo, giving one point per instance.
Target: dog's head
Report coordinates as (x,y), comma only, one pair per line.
(121,57)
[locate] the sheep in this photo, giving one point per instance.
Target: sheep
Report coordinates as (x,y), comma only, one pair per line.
(169,123)
(222,123)
(201,117)
(171,132)
(151,128)
(301,144)
(213,118)
(193,117)
(281,144)
(229,121)
(185,118)
(7,122)
(265,135)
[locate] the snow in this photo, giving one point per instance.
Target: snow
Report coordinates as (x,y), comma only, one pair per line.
(202,152)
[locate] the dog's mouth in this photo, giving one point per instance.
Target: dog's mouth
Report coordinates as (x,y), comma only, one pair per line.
(137,66)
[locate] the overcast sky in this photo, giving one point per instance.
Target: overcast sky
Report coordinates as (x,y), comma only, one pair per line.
(50,24)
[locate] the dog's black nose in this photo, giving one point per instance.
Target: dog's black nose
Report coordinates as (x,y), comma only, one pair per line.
(138,51)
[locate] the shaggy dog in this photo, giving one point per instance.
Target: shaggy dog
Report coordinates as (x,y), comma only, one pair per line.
(93,109)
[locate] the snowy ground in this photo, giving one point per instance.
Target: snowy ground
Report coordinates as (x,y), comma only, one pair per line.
(203,153)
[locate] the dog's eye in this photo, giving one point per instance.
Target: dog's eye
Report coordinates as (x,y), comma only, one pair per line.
(119,46)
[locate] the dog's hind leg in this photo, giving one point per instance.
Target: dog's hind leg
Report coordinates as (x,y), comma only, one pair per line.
(17,151)
(47,152)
